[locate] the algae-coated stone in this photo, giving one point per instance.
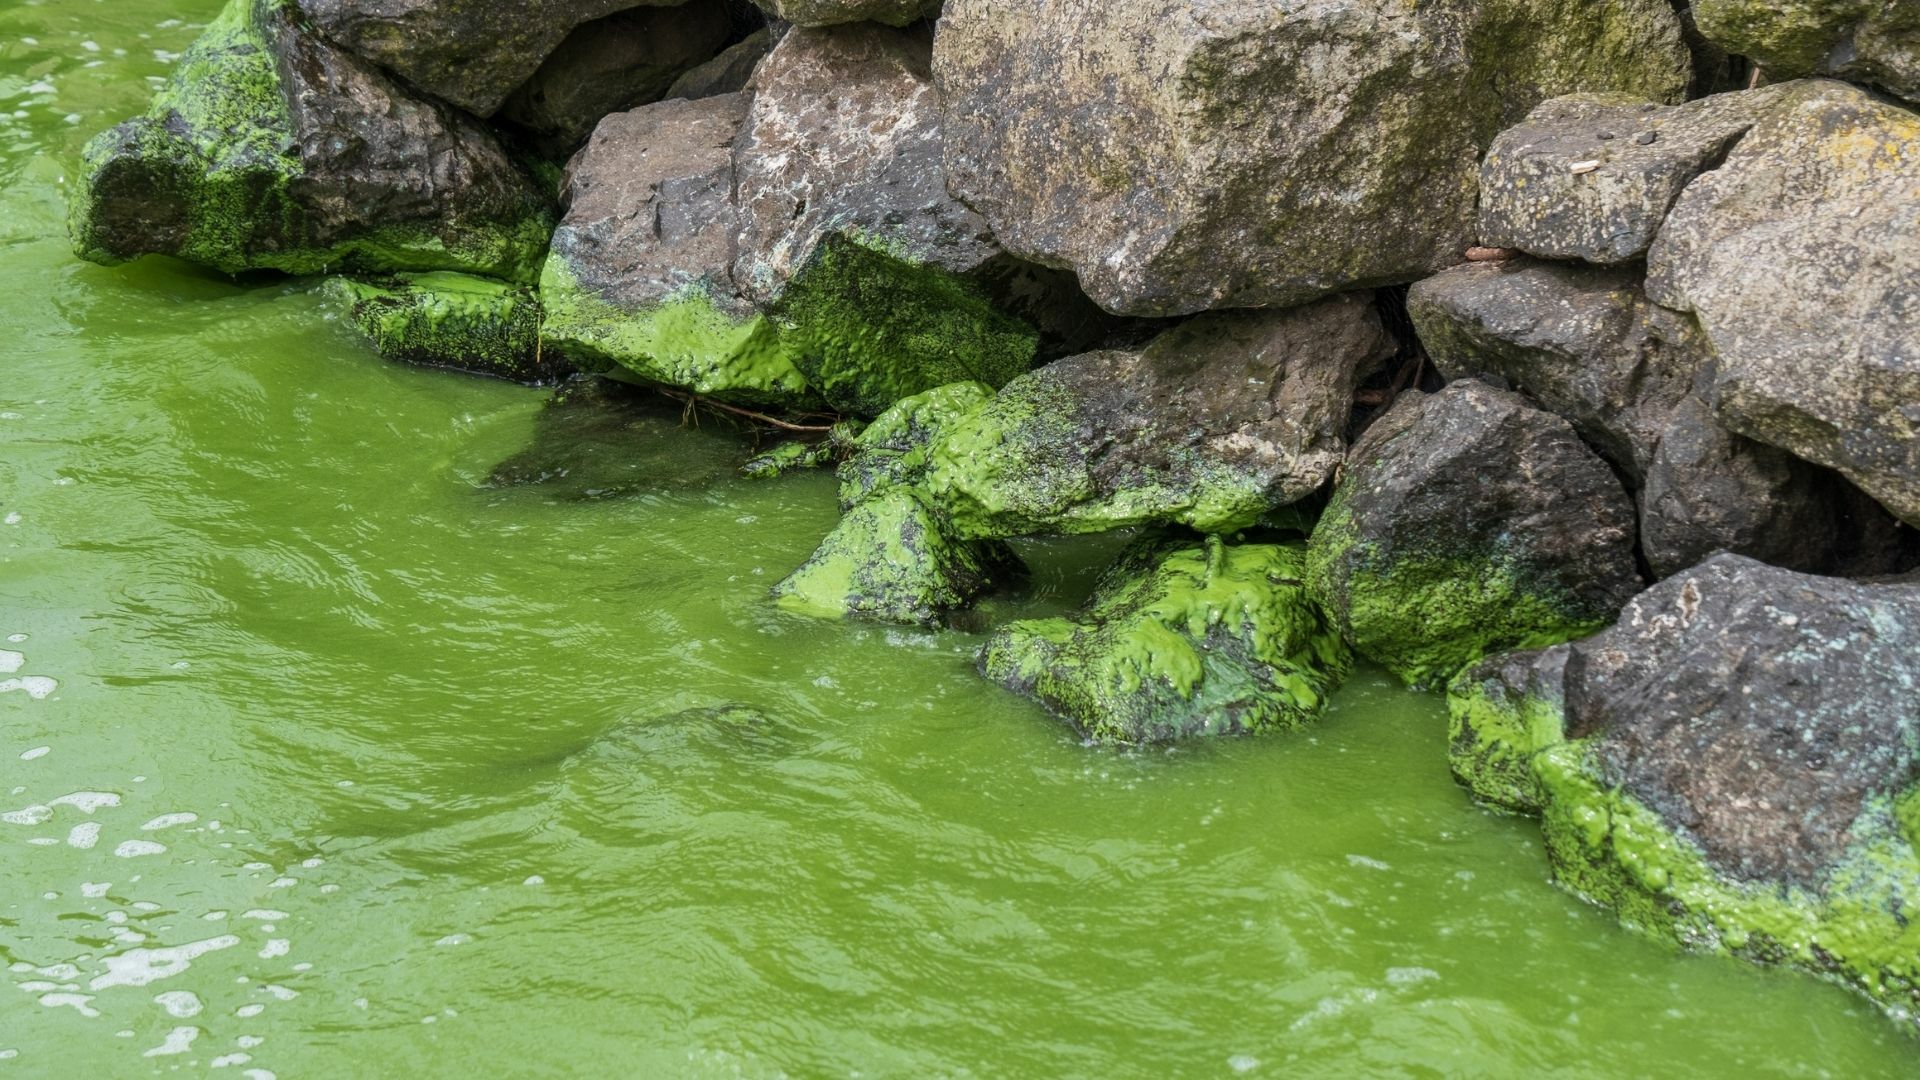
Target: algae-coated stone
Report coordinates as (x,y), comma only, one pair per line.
(1181,156)
(892,559)
(1502,712)
(1592,176)
(1872,41)
(451,321)
(1180,639)
(1212,424)
(792,455)
(639,283)
(1799,258)
(896,448)
(830,12)
(270,149)
(1468,523)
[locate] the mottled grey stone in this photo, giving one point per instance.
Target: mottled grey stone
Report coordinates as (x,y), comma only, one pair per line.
(727,73)
(831,12)
(1871,41)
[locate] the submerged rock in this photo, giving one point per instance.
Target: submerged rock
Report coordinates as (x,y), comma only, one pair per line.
(1874,41)
(1211,425)
(598,439)
(1468,523)
(830,12)
(1799,260)
(450,321)
(892,559)
(1743,771)
(1502,712)
(1180,639)
(270,149)
(897,447)
(1180,157)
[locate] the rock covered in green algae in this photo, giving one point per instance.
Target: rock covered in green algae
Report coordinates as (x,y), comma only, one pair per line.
(270,149)
(639,283)
(1469,522)
(897,447)
(1873,41)
(892,559)
(450,321)
(1243,153)
(1742,775)
(1180,639)
(1211,425)
(1503,711)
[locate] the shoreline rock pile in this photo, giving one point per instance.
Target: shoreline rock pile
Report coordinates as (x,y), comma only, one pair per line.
(1481,340)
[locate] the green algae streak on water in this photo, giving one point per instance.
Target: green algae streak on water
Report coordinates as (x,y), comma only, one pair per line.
(320,756)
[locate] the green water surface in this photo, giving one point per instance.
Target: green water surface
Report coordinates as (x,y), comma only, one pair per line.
(322,757)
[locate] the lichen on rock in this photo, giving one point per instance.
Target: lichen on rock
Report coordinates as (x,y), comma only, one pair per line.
(450,320)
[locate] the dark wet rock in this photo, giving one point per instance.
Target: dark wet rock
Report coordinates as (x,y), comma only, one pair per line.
(639,284)
(1211,425)
(1469,522)
(897,447)
(1634,379)
(449,320)
(471,54)
(892,559)
(1798,258)
(1503,711)
(270,149)
(1248,154)
(599,439)
(728,73)
(1182,638)
(1743,771)
(831,12)
(612,65)
(1592,176)
(1872,41)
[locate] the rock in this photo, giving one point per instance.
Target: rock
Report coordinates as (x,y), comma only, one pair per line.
(598,439)
(1469,523)
(1874,41)
(1502,712)
(1532,198)
(612,65)
(1633,378)
(450,321)
(1180,639)
(1241,153)
(1798,258)
(832,12)
(639,283)
(1743,771)
(471,54)
(884,284)
(271,150)
(892,559)
(727,73)
(1210,425)
(895,449)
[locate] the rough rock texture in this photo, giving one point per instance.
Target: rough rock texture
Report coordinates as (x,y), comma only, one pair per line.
(471,54)
(639,283)
(1592,176)
(1210,425)
(830,12)
(896,448)
(1180,639)
(598,439)
(270,149)
(1633,379)
(1743,775)
(1469,522)
(1241,153)
(885,285)
(1874,41)
(614,64)
(1502,712)
(728,73)
(451,321)
(892,559)
(1798,257)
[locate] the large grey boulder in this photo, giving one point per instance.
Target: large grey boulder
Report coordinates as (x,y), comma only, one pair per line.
(731,71)
(832,12)
(1469,522)
(471,54)
(1873,41)
(1798,257)
(1182,156)
(271,149)
(1210,425)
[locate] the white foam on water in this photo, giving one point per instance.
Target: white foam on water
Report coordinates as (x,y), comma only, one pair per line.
(38,687)
(168,821)
(248,1042)
(35,753)
(84,835)
(226,1060)
(180,1004)
(133,849)
(455,939)
(28,815)
(283,883)
(280,992)
(178,1041)
(45,841)
(10,661)
(1371,864)
(535,880)
(87,801)
(259,1074)
(139,967)
(248,1012)
(77,1002)
(1409,976)
(1243,1063)
(265,914)
(16,638)
(9,1055)
(275,947)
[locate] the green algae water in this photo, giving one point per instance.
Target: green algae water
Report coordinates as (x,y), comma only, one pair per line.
(321,755)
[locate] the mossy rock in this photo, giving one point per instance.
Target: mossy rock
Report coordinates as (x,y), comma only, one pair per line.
(1180,639)
(1501,713)
(449,320)
(894,450)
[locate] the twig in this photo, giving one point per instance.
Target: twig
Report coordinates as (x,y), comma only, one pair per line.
(693,401)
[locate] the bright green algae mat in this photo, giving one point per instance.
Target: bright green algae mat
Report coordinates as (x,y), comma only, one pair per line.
(452,817)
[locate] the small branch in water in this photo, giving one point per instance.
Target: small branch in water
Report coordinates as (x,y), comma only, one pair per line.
(695,401)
